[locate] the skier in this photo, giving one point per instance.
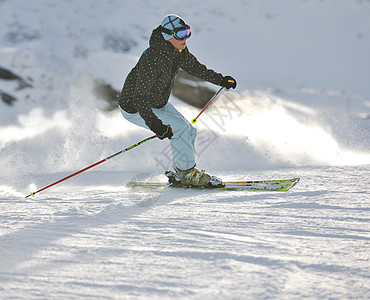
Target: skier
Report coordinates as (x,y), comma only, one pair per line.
(145,93)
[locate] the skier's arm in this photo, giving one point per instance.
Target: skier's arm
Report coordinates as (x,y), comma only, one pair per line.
(191,65)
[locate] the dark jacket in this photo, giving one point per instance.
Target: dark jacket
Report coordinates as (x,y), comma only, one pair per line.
(149,83)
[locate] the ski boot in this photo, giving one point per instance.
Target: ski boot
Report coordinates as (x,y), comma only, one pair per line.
(193,178)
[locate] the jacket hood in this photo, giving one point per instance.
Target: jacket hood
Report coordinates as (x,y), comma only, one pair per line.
(157,41)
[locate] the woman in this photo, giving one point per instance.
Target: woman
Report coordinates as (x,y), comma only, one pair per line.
(144,97)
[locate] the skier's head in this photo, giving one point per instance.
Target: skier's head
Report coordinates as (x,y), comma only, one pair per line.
(174,26)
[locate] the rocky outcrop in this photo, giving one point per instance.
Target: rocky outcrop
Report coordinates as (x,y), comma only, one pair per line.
(191,89)
(22,83)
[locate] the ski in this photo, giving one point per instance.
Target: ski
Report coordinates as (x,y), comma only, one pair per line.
(255,185)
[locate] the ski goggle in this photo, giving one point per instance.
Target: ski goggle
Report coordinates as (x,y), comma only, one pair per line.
(178,33)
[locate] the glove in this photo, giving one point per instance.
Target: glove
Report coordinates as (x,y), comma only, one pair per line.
(228,82)
(162,131)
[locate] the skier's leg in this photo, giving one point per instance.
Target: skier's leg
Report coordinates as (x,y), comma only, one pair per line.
(193,132)
(183,149)
(134,118)
(182,141)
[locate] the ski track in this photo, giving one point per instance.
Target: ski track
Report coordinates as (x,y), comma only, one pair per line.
(109,243)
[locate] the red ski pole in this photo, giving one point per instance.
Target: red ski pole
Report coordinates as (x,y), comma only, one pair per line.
(209,102)
(93,165)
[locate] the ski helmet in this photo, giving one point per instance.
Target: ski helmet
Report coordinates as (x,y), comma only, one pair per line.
(174,26)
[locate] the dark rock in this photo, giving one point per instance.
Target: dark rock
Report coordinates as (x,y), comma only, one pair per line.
(189,89)
(6,98)
(106,92)
(8,75)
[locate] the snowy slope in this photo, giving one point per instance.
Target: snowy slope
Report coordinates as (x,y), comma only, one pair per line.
(82,241)
(302,108)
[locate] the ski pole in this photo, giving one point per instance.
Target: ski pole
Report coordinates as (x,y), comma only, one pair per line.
(209,102)
(93,165)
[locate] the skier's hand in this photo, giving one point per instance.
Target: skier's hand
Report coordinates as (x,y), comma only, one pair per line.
(228,82)
(162,131)
(166,133)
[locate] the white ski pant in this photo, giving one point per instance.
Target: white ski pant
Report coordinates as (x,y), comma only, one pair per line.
(183,139)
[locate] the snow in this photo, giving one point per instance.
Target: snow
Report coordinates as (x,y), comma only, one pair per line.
(301,109)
